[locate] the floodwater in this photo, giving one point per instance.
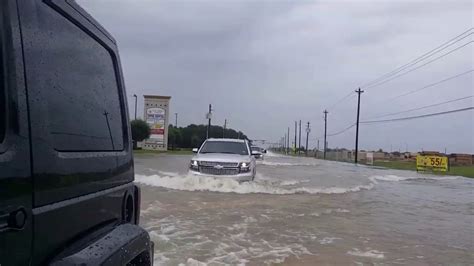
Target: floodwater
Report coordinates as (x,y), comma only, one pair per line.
(303,211)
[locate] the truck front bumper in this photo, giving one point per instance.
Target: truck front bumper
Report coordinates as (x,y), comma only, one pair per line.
(241,177)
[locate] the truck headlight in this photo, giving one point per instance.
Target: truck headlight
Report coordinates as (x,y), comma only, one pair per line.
(194,164)
(244,165)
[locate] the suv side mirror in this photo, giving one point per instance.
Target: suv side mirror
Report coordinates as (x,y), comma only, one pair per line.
(195,150)
(254,153)
(264,151)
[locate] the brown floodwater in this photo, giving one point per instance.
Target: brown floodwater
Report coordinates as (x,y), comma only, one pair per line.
(303,211)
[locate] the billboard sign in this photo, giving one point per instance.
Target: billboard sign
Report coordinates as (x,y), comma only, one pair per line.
(155,118)
(432,163)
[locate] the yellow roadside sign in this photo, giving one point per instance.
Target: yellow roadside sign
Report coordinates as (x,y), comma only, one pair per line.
(432,162)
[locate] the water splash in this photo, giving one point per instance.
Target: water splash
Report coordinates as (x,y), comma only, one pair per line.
(228,185)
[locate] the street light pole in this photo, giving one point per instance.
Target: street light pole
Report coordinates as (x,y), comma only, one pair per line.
(359,92)
(308,129)
(176,120)
(209,115)
(223,129)
(325,132)
(288,141)
(299,140)
(296,132)
(134,95)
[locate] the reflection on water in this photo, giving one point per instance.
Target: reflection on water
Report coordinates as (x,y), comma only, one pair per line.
(305,211)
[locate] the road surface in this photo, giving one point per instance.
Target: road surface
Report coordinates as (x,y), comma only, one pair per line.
(302,211)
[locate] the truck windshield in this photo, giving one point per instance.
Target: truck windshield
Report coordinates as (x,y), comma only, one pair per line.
(224,147)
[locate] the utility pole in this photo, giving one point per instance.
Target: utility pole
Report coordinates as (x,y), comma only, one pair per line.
(318,144)
(308,129)
(325,132)
(176,120)
(359,92)
(209,115)
(134,95)
(299,141)
(288,141)
(296,132)
(223,129)
(284,143)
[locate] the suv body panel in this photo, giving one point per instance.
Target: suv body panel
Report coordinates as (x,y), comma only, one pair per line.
(15,169)
(72,198)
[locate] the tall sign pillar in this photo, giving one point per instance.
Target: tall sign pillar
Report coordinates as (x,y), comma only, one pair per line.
(156,114)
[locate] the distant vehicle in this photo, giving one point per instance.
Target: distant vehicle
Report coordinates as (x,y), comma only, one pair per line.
(224,158)
(67,195)
(258,152)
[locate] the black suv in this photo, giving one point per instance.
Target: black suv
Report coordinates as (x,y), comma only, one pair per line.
(66,167)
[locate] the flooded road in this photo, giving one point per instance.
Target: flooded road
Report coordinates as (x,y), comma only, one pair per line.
(302,211)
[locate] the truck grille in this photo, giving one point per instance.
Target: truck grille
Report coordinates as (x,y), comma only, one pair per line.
(215,171)
(223,164)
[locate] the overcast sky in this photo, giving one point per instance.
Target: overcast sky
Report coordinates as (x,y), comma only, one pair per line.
(265,64)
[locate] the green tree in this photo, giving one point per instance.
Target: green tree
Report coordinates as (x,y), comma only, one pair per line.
(196,141)
(174,137)
(140,131)
(193,135)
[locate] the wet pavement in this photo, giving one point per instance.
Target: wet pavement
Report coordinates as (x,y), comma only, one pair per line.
(303,211)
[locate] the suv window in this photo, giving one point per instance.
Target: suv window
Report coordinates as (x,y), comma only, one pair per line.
(3,103)
(80,85)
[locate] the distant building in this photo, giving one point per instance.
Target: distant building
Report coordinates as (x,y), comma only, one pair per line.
(460,159)
(156,113)
(379,156)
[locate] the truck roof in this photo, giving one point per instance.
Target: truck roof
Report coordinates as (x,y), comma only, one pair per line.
(226,140)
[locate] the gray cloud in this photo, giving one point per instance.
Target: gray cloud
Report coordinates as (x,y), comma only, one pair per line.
(264,64)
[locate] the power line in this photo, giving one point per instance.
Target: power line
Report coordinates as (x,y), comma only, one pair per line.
(424,107)
(400,119)
(418,116)
(422,57)
(340,100)
(420,66)
(431,85)
(342,131)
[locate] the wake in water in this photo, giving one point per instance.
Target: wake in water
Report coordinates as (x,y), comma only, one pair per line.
(395,178)
(285,164)
(260,185)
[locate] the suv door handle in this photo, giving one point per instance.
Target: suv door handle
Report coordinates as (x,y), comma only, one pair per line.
(14,220)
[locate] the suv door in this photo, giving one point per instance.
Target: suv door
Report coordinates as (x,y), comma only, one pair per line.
(80,139)
(15,168)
